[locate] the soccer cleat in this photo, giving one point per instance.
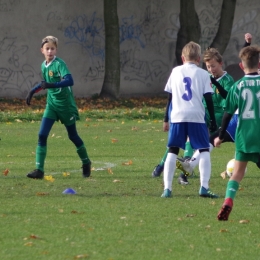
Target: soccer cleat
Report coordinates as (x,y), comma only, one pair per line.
(224,212)
(157,170)
(184,166)
(183,179)
(36,174)
(86,170)
(207,193)
(166,194)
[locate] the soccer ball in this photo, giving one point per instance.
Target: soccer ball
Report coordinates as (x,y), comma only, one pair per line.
(230,167)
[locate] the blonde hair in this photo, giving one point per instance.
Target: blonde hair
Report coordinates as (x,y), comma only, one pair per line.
(250,56)
(212,53)
(51,39)
(191,51)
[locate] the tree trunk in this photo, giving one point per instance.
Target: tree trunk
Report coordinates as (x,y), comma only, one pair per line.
(189,27)
(111,84)
(222,37)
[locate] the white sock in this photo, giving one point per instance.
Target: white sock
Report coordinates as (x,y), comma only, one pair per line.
(194,161)
(205,169)
(169,168)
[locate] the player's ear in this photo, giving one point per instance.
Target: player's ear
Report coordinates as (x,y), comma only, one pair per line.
(241,66)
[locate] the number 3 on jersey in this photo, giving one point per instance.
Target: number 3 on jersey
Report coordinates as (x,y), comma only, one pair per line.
(187,96)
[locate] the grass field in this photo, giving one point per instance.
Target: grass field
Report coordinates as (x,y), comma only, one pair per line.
(117,213)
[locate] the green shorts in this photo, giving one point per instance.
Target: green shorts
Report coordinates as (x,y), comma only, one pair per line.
(67,117)
(246,157)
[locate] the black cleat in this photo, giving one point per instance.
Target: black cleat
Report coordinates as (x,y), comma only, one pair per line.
(36,174)
(183,179)
(86,170)
(157,171)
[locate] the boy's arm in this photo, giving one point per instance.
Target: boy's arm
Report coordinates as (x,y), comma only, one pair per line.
(166,114)
(224,124)
(223,93)
(67,81)
(34,90)
(208,99)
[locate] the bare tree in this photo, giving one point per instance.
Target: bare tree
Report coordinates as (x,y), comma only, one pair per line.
(189,27)
(225,25)
(111,84)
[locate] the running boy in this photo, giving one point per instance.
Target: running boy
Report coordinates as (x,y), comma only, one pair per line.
(60,106)
(243,96)
(187,85)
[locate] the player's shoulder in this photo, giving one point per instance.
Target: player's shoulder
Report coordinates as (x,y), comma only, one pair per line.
(59,60)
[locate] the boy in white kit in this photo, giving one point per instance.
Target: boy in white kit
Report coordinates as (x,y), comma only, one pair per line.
(187,85)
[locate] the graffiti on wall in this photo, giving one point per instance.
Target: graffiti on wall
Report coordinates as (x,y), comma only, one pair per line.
(8,5)
(15,74)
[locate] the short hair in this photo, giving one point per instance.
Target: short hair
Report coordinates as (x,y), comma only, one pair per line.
(51,39)
(250,56)
(191,51)
(212,53)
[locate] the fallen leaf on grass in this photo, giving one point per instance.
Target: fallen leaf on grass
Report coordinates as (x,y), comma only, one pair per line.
(190,216)
(117,181)
(134,128)
(109,171)
(34,236)
(113,140)
(49,178)
(80,256)
(61,210)
(5,172)
(127,163)
(42,193)
(74,212)
(66,174)
(223,230)
(109,131)
(223,175)
(244,221)
(28,244)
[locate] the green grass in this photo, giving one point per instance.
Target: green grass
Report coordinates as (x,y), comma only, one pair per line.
(126,219)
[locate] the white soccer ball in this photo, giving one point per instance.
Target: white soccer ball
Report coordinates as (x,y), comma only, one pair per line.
(230,167)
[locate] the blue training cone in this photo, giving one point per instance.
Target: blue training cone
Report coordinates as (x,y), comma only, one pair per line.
(69,191)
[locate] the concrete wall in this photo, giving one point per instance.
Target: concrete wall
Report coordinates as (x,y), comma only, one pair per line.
(148,34)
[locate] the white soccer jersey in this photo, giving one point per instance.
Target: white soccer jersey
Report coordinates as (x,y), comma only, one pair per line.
(187,84)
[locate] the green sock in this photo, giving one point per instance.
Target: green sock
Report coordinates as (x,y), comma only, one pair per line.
(188,150)
(232,187)
(41,152)
(82,152)
(164,157)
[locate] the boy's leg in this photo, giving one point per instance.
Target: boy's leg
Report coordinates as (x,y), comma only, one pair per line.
(41,149)
(232,187)
(159,168)
(81,149)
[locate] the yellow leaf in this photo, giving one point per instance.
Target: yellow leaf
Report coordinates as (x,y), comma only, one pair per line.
(52,135)
(127,163)
(244,221)
(42,193)
(223,175)
(66,174)
(49,178)
(117,181)
(223,230)
(109,171)
(113,140)
(80,256)
(28,244)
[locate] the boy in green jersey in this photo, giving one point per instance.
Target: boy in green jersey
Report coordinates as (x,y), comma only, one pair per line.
(244,96)
(60,106)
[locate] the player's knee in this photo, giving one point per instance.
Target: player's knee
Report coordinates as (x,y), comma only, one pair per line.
(76,140)
(174,150)
(42,140)
(204,150)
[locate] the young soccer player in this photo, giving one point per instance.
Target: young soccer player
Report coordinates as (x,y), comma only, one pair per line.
(187,85)
(243,96)
(210,58)
(60,106)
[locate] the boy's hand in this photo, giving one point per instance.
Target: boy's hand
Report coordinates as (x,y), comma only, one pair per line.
(248,37)
(29,97)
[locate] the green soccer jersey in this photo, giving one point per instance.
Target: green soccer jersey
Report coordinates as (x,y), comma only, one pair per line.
(60,100)
(245,95)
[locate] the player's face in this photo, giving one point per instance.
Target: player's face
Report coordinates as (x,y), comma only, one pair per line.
(49,50)
(214,68)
